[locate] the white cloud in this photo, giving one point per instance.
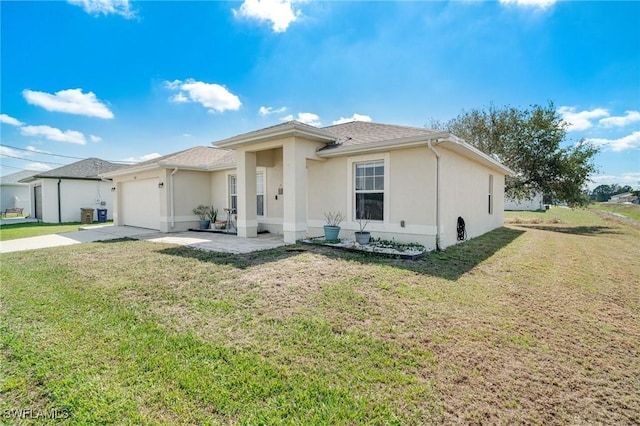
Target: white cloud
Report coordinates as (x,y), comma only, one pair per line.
(631,141)
(632,179)
(6,119)
(629,118)
(106,7)
(280,13)
(187,135)
(94,138)
(213,96)
(34,149)
(179,97)
(53,134)
(304,117)
(39,167)
(4,150)
(142,158)
(71,101)
(354,117)
(263,111)
(580,120)
(541,4)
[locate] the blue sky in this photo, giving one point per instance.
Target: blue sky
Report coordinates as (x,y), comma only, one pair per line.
(127,80)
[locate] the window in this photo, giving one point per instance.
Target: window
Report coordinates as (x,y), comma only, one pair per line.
(490,194)
(369,190)
(260,193)
(233,193)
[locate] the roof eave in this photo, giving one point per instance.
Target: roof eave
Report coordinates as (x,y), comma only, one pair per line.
(128,170)
(294,129)
(459,145)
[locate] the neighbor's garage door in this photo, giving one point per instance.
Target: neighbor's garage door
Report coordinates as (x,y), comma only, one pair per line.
(140,203)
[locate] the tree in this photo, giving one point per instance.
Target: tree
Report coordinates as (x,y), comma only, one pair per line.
(529,142)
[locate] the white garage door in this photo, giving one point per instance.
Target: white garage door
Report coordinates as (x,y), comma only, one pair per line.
(140,203)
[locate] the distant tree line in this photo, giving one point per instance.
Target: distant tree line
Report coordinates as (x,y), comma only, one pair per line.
(604,192)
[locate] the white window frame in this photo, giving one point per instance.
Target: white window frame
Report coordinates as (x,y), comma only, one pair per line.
(263,172)
(490,198)
(260,171)
(230,193)
(351,196)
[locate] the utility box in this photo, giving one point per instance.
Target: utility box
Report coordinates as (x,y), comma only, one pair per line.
(86,216)
(102,215)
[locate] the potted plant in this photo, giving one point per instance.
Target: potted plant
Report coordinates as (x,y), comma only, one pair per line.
(362,236)
(212,214)
(202,212)
(332,228)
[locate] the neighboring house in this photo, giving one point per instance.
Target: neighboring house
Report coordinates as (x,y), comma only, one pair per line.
(58,195)
(14,193)
(531,204)
(412,182)
(626,197)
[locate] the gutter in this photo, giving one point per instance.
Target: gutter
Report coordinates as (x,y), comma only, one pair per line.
(437,154)
(59,206)
(173,216)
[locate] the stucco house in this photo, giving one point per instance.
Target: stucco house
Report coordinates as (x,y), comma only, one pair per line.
(413,183)
(15,194)
(58,195)
(625,197)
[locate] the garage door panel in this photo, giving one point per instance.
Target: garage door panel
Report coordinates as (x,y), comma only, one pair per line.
(140,201)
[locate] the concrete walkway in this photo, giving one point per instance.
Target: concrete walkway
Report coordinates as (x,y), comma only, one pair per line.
(199,240)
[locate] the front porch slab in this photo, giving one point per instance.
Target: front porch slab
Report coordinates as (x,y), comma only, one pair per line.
(219,242)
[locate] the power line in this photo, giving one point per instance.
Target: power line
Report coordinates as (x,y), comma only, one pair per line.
(57,155)
(18,168)
(28,159)
(41,152)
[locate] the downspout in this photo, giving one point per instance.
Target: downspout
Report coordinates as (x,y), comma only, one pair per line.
(171,195)
(437,154)
(59,207)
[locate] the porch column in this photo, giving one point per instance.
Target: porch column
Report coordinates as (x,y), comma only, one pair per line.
(247,204)
(294,183)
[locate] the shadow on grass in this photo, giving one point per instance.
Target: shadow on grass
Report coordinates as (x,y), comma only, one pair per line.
(575,230)
(449,264)
(240,261)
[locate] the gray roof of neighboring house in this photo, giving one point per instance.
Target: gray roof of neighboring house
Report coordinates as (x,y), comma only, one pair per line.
(89,169)
(14,178)
(363,132)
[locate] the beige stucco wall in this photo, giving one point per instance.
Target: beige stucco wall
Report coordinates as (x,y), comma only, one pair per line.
(465,190)
(409,195)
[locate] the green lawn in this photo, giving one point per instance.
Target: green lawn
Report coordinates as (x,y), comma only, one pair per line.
(534,323)
(34,229)
(630,210)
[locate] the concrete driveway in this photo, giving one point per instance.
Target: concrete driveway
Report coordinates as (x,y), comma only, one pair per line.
(87,235)
(200,240)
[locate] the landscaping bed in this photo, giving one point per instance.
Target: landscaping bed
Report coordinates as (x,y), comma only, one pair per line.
(410,251)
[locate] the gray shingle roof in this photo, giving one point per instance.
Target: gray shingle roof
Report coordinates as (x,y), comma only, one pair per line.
(362,132)
(16,177)
(88,169)
(199,157)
